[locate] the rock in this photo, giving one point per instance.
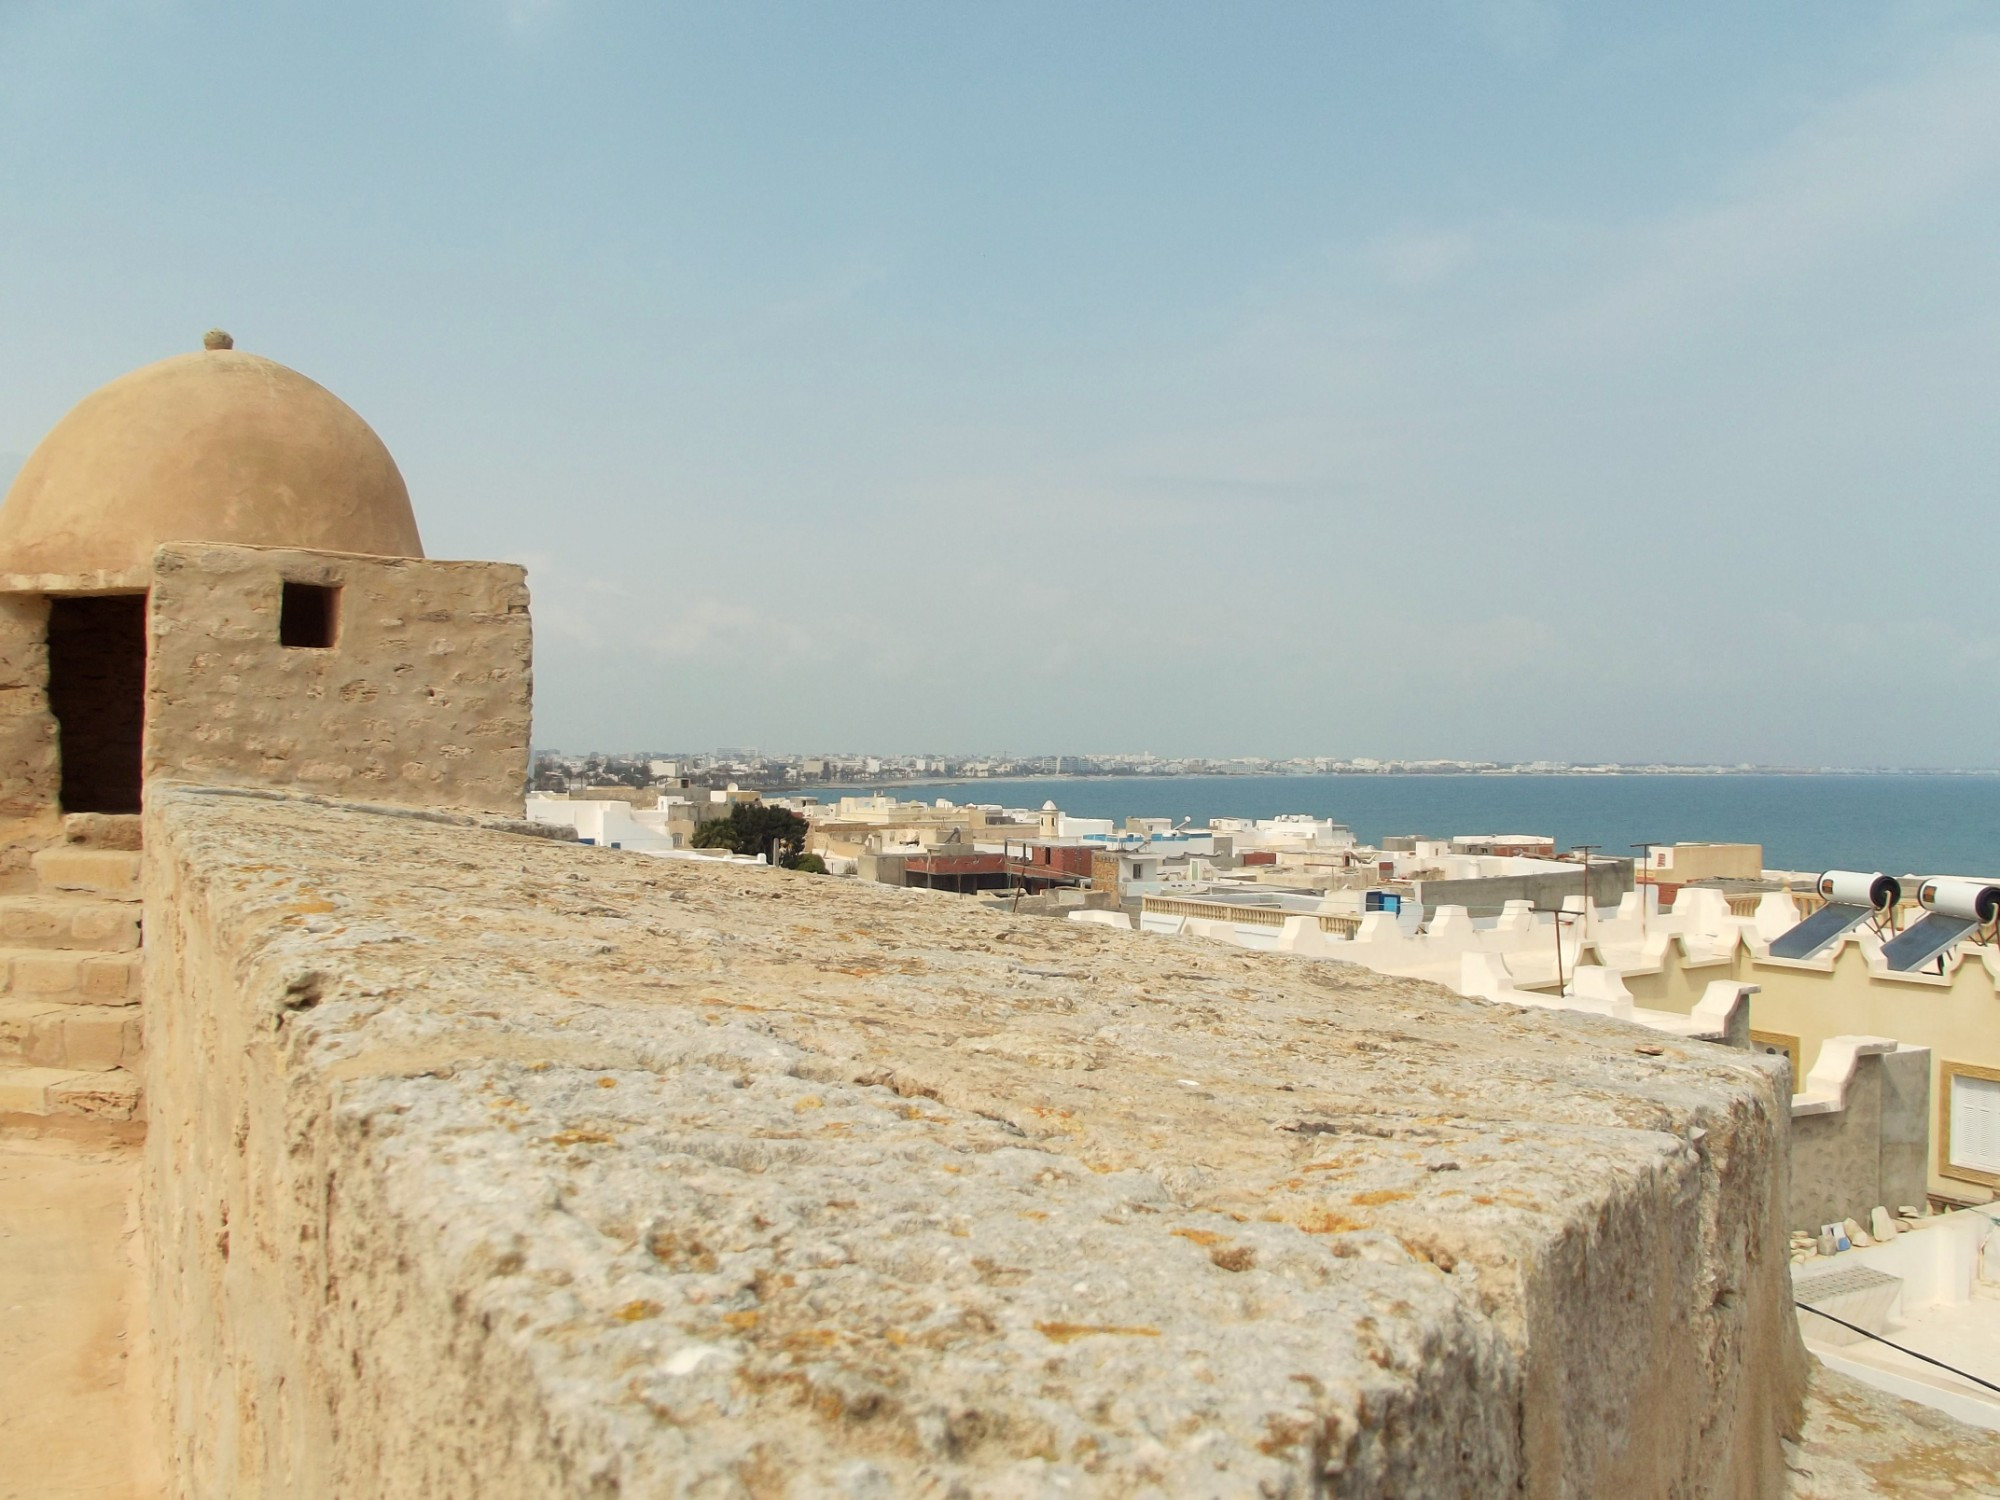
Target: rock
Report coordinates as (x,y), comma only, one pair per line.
(1860,1442)
(1881,1225)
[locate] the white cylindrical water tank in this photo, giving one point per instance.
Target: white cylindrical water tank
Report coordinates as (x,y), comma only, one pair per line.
(1955,896)
(1853,888)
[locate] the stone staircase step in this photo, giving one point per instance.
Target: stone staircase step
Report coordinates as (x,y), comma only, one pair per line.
(103,830)
(71,976)
(79,1038)
(52,1092)
(85,922)
(73,867)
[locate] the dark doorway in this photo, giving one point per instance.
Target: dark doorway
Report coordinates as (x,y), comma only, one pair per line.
(97,690)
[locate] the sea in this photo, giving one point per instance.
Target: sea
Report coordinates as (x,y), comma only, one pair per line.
(1904,824)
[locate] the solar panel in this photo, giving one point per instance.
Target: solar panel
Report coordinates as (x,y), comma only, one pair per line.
(1818,931)
(1918,945)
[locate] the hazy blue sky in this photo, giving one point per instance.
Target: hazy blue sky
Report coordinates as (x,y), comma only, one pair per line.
(1492,379)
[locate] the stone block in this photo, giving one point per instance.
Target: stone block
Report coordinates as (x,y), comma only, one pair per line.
(30,921)
(97,1096)
(102,830)
(111,872)
(105,924)
(51,973)
(99,1038)
(81,1038)
(108,979)
(25,1091)
(68,922)
(26,1036)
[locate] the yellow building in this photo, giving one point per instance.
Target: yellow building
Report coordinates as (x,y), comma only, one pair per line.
(858,826)
(1849,992)
(1683,864)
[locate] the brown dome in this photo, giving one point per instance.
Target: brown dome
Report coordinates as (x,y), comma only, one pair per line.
(219,446)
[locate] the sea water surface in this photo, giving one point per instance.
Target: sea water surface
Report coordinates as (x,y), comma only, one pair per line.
(1903,824)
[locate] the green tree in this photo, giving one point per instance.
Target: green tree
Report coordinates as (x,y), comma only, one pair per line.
(753,828)
(716,833)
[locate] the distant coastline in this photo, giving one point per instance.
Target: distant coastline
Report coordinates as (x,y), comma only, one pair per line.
(1899,821)
(1501,773)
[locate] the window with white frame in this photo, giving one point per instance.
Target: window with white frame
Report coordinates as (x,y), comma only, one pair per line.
(1975,1122)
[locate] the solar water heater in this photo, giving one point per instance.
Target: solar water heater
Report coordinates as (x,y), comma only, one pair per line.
(1952,908)
(1851,899)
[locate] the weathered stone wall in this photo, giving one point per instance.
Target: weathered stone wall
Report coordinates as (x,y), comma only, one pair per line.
(28,768)
(424,699)
(30,774)
(487,1166)
(1487,895)
(1872,1150)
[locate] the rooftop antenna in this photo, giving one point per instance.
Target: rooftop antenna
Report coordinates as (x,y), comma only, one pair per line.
(1556,921)
(1586,850)
(1647,847)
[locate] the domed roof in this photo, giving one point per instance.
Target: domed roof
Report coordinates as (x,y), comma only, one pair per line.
(219,446)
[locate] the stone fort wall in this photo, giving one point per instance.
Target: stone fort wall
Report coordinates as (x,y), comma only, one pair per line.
(423,698)
(30,775)
(482,1165)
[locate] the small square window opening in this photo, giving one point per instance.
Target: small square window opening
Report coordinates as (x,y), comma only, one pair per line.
(309,615)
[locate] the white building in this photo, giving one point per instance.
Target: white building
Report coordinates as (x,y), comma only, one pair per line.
(619,825)
(1287,831)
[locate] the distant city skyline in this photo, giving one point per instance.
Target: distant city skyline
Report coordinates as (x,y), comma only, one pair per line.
(1505,378)
(892,767)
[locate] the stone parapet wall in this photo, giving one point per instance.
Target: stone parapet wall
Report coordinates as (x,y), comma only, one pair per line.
(424,698)
(1860,1131)
(482,1165)
(29,771)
